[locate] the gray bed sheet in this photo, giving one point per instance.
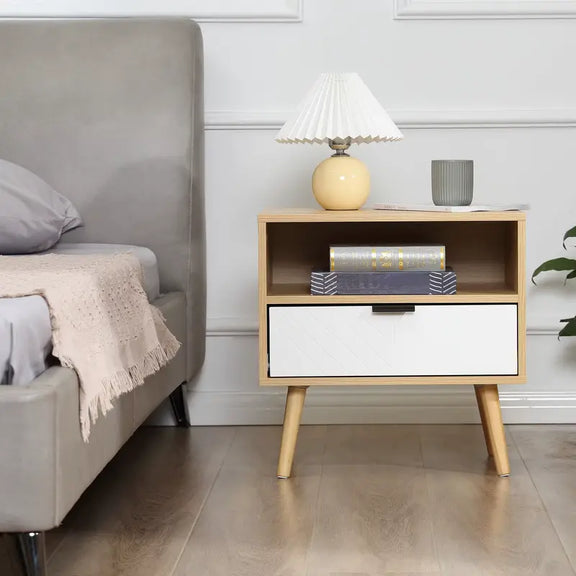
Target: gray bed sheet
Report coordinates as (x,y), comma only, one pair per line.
(25,330)
(25,338)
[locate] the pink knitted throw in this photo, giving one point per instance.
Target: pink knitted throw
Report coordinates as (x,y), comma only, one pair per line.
(102,323)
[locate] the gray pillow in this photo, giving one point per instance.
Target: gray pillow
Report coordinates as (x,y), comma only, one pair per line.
(33,215)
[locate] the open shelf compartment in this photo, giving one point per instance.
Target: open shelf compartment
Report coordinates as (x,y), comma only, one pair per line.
(484,255)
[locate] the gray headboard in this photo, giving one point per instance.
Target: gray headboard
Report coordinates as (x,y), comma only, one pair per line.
(110,113)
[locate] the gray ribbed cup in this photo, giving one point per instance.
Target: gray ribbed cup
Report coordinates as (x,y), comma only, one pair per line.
(452,182)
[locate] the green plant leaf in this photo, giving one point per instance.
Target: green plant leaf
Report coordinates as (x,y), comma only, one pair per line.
(571,275)
(569,329)
(557,264)
(570,234)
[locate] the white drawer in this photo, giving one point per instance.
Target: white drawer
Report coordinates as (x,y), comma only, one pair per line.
(433,340)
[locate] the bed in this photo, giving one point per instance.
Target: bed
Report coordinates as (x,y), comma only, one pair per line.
(25,325)
(110,112)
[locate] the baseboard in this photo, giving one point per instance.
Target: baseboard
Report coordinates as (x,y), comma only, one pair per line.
(381,406)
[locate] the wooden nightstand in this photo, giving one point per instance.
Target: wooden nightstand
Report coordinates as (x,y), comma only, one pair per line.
(476,336)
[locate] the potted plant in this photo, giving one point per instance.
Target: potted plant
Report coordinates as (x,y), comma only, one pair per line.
(562,265)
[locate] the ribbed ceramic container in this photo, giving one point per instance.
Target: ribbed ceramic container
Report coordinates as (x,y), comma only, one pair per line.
(452,182)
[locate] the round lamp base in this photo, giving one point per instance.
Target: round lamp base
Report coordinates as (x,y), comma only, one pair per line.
(341,183)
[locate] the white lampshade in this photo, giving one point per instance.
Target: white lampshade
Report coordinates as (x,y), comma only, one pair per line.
(339,106)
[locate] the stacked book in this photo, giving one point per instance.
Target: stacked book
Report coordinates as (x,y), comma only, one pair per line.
(398,269)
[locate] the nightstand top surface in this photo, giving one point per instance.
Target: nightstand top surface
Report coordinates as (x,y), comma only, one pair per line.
(367,215)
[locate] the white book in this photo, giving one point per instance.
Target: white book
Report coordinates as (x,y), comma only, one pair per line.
(471,208)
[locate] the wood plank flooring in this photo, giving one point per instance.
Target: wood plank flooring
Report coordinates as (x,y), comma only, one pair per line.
(363,501)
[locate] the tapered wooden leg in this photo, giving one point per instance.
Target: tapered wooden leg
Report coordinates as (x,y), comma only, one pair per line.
(480,400)
(292,414)
(496,438)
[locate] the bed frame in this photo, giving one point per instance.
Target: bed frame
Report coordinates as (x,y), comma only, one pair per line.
(110,113)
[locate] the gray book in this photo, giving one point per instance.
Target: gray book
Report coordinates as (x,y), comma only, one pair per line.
(415,282)
(387,258)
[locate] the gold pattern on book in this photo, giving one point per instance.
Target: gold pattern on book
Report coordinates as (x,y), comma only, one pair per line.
(386,260)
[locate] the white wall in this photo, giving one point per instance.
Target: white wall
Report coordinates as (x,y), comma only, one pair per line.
(501,91)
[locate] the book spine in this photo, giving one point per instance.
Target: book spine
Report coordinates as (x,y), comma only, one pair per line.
(414,282)
(387,258)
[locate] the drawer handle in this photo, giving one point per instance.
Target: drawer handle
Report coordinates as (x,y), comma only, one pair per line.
(393,308)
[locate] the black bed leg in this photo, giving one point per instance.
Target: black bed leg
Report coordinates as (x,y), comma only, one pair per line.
(33,553)
(180,406)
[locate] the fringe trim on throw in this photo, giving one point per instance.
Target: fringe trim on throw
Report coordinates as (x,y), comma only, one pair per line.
(124,381)
(21,282)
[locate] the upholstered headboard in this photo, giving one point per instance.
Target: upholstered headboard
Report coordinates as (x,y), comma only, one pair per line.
(110,113)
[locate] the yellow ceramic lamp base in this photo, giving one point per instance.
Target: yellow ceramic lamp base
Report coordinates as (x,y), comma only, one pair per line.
(341,183)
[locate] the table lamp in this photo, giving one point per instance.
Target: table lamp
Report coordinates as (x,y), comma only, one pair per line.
(340,110)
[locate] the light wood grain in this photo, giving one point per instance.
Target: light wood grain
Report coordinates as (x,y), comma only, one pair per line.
(549,453)
(253,525)
(154,491)
(338,573)
(461,448)
(494,427)
(312,215)
(546,444)
(484,525)
(374,520)
(480,400)
(367,444)
(453,517)
(521,284)
(298,294)
(262,293)
(256,448)
(477,251)
(393,381)
(556,484)
(486,249)
(293,413)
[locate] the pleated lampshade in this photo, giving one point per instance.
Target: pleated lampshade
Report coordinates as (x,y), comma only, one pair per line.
(339,105)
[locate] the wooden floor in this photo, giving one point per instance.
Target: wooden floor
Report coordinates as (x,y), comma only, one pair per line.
(364,501)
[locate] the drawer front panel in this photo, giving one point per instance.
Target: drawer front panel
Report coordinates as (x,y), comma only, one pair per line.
(434,340)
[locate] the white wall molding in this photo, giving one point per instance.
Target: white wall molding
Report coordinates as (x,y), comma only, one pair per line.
(220,327)
(483,9)
(244,119)
(241,327)
(543,324)
(378,406)
(406,119)
(200,10)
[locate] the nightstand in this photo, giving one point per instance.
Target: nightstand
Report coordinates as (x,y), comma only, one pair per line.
(476,336)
